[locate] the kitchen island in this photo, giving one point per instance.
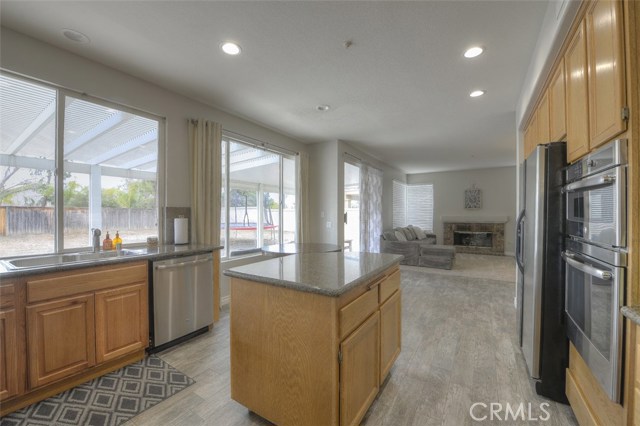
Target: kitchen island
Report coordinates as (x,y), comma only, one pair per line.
(313,336)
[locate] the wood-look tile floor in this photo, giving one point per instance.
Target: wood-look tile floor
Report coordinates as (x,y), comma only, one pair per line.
(459,347)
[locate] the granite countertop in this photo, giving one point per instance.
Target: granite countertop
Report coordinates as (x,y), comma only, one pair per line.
(299,248)
(632,312)
(161,252)
(330,274)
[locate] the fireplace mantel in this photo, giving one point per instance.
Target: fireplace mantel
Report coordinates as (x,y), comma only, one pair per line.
(475,219)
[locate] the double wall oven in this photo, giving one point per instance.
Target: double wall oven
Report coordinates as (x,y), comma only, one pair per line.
(595,259)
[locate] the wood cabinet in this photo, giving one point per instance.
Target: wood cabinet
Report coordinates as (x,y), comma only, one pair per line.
(359,371)
(557,110)
(576,91)
(390,333)
(121,321)
(542,118)
(531,136)
(8,354)
(12,340)
(79,324)
(606,71)
(291,371)
(61,338)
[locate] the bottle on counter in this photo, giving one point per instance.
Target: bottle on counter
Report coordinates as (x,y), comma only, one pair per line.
(117,242)
(107,243)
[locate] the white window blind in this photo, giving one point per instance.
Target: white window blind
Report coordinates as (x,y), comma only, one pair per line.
(413,205)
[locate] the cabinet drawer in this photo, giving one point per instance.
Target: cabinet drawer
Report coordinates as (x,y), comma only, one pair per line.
(352,315)
(389,285)
(64,284)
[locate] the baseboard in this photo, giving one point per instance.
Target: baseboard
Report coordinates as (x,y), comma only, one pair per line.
(225,300)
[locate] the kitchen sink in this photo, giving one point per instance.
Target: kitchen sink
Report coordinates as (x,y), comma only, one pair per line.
(65,258)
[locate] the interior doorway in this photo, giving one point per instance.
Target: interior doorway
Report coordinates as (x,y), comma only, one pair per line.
(351,207)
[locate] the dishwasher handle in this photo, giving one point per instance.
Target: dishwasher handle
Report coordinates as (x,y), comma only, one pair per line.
(183,264)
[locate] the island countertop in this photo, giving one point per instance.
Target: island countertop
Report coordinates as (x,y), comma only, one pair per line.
(330,274)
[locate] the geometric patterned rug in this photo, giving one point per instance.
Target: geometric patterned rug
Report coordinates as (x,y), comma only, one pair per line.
(109,400)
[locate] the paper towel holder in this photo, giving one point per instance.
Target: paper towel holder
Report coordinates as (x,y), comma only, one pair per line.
(181,230)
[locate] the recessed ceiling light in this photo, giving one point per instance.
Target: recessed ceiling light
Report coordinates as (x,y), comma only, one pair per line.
(230,48)
(473,52)
(477,93)
(75,36)
(323,108)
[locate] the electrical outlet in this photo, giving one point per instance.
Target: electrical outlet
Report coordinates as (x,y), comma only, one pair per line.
(328,224)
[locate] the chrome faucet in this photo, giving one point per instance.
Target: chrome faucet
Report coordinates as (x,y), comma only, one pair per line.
(96,239)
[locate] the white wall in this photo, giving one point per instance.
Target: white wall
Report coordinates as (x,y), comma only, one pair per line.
(498,187)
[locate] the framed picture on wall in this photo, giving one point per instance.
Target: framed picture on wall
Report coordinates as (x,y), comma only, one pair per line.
(473,198)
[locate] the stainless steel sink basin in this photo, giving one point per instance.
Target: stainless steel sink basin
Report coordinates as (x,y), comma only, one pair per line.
(59,259)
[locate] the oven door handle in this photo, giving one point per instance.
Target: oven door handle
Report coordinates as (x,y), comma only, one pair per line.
(590,182)
(588,269)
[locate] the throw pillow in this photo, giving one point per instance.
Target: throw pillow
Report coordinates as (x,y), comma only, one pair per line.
(412,233)
(408,234)
(400,236)
(389,236)
(420,234)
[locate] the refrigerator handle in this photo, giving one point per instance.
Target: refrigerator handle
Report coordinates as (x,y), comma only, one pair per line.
(520,241)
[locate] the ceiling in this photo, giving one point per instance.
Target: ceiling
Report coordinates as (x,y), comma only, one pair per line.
(399,92)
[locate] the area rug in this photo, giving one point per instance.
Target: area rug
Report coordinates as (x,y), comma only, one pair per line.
(109,400)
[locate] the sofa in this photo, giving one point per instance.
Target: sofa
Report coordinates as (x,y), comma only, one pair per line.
(418,247)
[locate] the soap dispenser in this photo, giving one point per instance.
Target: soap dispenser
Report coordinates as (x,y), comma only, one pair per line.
(117,242)
(107,244)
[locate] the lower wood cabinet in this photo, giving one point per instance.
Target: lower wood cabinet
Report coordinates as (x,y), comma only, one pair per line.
(359,371)
(390,333)
(121,321)
(61,338)
(9,373)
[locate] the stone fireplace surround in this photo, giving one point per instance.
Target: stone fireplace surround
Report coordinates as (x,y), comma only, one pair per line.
(492,225)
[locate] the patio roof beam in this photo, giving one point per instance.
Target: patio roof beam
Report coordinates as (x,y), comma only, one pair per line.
(44,118)
(134,143)
(101,128)
(139,161)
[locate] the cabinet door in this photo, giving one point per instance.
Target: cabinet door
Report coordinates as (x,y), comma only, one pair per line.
(8,354)
(606,71)
(542,116)
(577,100)
(121,321)
(61,338)
(359,371)
(390,333)
(557,110)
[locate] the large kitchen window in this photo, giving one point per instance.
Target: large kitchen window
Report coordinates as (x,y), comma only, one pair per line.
(258,197)
(413,205)
(70,163)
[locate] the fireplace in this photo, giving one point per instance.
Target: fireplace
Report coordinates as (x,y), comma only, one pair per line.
(471,235)
(473,239)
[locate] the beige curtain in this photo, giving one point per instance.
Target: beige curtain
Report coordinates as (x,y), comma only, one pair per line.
(205,139)
(302,197)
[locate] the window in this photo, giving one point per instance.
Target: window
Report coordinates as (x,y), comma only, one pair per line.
(413,205)
(258,197)
(106,158)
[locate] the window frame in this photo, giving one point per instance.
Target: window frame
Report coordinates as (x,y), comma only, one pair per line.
(62,93)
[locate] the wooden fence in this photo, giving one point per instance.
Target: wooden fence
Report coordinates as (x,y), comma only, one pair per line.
(41,220)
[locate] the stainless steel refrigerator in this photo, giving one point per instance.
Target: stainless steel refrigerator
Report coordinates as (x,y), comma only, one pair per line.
(540,289)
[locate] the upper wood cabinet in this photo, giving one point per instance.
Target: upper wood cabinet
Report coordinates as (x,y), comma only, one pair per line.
(577,100)
(542,116)
(606,71)
(531,135)
(557,110)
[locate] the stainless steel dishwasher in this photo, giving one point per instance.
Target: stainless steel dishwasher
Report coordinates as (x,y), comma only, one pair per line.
(182,294)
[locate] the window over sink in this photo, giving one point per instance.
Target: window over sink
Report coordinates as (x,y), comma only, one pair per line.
(69,163)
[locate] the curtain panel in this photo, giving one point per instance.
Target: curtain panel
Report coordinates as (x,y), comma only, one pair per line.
(370,208)
(205,140)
